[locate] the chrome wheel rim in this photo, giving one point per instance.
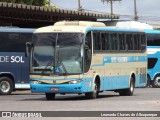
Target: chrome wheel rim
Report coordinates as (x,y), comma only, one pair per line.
(4,86)
(156,82)
(132,85)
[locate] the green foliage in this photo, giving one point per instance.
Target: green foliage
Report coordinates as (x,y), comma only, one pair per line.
(13,1)
(28,2)
(20,1)
(39,2)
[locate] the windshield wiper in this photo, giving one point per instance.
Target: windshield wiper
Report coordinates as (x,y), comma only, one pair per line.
(48,64)
(61,63)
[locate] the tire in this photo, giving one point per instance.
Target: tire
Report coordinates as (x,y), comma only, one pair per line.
(148,84)
(6,86)
(93,94)
(50,96)
(130,90)
(156,82)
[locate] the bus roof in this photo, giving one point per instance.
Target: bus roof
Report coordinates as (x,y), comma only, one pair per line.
(14,29)
(80,23)
(81,26)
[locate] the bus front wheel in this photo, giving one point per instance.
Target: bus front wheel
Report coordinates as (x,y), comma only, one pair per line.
(156,82)
(130,90)
(6,86)
(50,96)
(93,94)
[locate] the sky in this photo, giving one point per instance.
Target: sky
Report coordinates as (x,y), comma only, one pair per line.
(148,10)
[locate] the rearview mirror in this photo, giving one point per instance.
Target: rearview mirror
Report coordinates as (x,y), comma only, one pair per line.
(28,48)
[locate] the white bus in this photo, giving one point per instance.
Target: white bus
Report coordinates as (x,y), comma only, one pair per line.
(87,57)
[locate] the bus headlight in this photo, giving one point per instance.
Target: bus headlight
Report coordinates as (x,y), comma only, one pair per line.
(75,81)
(35,82)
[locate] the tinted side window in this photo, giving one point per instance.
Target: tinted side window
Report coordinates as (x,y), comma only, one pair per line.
(152,62)
(3,39)
(88,52)
(114,41)
(96,41)
(143,42)
(122,42)
(153,39)
(105,41)
(137,41)
(129,42)
(14,42)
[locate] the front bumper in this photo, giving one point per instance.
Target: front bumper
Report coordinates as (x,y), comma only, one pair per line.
(61,88)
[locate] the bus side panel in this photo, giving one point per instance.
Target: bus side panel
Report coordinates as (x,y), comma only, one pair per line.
(15,64)
(141,80)
(155,66)
(25,70)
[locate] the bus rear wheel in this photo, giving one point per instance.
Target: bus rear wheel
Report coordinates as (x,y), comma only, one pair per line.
(130,90)
(6,86)
(93,94)
(50,96)
(156,82)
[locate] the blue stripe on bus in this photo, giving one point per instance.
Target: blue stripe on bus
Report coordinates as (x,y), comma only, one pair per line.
(154,47)
(111,29)
(152,31)
(122,59)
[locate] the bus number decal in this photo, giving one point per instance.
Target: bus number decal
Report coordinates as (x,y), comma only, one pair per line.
(116,59)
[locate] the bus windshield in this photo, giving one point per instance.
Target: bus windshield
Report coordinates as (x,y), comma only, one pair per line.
(57,53)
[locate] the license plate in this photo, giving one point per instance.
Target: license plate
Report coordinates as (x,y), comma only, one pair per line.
(54,89)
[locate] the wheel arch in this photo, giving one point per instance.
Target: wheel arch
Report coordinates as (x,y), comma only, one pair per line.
(156,74)
(9,75)
(97,80)
(134,78)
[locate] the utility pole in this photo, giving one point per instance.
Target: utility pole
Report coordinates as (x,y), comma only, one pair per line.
(79,6)
(111,3)
(135,11)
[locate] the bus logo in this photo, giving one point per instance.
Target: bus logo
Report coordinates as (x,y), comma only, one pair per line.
(54,81)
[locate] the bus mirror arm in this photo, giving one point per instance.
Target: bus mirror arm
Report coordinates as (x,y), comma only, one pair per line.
(86,47)
(28,49)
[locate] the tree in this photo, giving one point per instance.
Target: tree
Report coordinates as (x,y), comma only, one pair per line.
(29,2)
(39,2)
(13,1)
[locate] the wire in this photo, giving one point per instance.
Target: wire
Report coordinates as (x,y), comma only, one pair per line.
(145,18)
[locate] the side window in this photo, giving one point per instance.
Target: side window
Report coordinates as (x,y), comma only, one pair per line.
(87,52)
(122,42)
(12,42)
(137,41)
(153,39)
(152,62)
(96,41)
(105,41)
(3,39)
(114,41)
(143,42)
(129,42)
(24,37)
